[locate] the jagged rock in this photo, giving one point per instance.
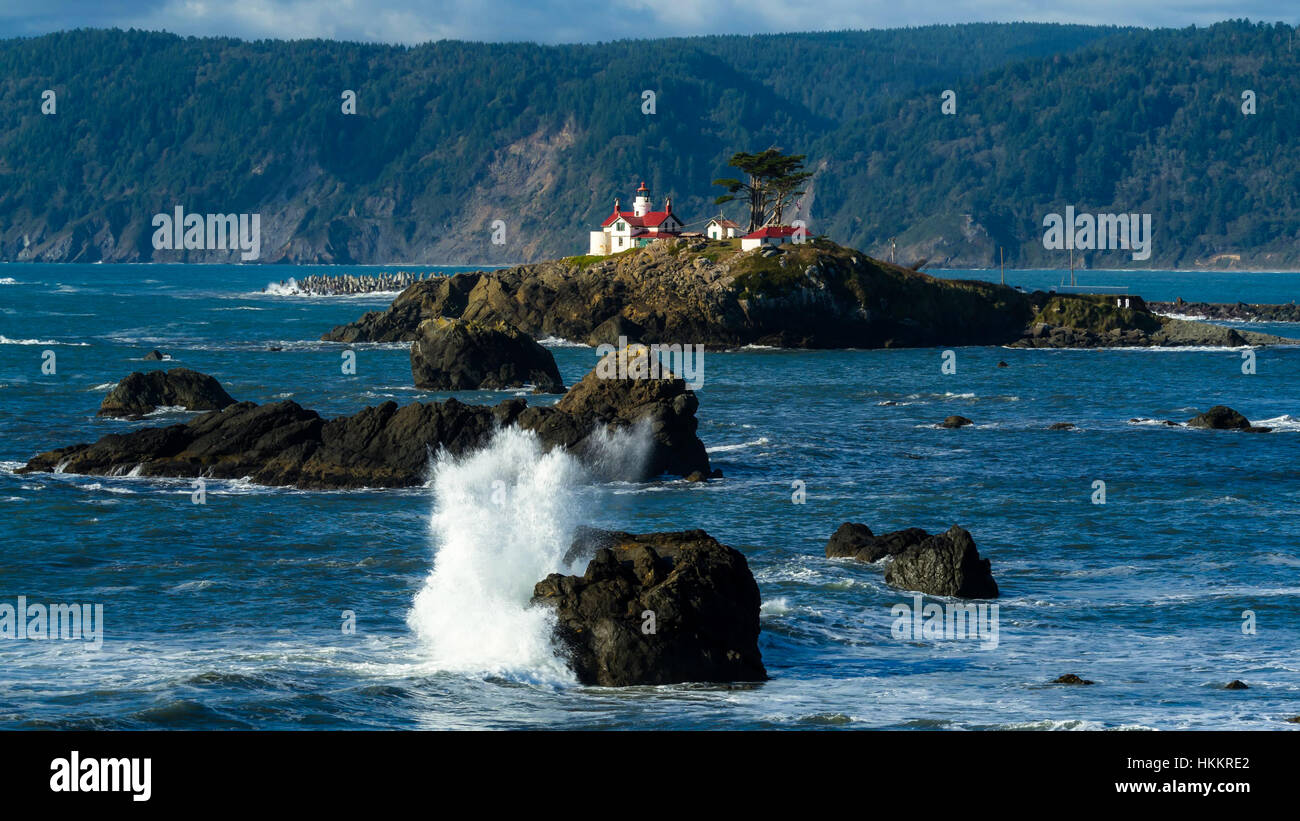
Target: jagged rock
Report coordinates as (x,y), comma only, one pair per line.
(611,398)
(1071,678)
(1236,684)
(856,541)
(389,446)
(141,393)
(1219,417)
(659,608)
(455,355)
(943,565)
(956,422)
(812,295)
(154,356)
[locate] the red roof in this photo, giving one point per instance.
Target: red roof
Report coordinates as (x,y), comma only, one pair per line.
(773,232)
(651,219)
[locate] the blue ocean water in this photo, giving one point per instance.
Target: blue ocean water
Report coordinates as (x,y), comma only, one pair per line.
(229,614)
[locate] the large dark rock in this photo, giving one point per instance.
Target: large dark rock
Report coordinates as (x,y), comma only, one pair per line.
(856,541)
(1219,417)
(141,393)
(659,608)
(947,564)
(455,355)
(955,422)
(389,446)
(602,401)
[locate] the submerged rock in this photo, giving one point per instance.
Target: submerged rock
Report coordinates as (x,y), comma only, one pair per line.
(955,422)
(1236,684)
(154,356)
(943,565)
(1061,426)
(658,608)
(454,355)
(141,393)
(386,445)
(1071,678)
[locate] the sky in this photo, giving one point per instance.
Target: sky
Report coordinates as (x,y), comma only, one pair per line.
(568,21)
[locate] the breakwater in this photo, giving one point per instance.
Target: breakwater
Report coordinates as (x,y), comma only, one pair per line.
(346,284)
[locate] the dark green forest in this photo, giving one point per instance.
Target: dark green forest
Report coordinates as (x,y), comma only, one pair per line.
(450,136)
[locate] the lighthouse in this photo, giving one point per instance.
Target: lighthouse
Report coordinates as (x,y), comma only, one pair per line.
(637,228)
(641,205)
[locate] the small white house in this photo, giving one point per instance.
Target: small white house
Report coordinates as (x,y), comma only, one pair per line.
(772,235)
(637,228)
(722,228)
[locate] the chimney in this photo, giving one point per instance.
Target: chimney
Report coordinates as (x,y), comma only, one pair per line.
(668,205)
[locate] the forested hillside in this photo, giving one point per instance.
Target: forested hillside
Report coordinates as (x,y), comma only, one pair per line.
(449,137)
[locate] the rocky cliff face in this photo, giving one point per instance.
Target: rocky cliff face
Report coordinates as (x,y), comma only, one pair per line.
(813,295)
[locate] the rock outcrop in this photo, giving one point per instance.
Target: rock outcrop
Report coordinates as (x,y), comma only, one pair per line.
(389,446)
(1095,321)
(1222,417)
(1231,311)
(955,422)
(659,608)
(457,355)
(812,295)
(856,541)
(947,564)
(141,393)
(1071,678)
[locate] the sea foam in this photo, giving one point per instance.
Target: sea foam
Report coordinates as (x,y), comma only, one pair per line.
(503,519)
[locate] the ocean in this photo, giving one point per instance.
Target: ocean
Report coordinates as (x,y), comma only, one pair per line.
(235,613)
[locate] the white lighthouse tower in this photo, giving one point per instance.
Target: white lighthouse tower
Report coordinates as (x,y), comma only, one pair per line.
(641,205)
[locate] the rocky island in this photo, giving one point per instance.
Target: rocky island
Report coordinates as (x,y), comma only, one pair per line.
(814,294)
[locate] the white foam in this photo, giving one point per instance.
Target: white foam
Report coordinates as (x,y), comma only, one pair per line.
(1285,422)
(557,342)
(502,520)
(4,340)
(726,448)
(8,281)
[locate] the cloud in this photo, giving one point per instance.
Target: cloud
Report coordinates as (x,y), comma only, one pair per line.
(559,21)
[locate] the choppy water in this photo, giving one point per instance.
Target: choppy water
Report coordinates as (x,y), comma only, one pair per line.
(228,614)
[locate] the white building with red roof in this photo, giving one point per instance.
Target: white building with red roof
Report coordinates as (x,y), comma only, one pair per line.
(773,235)
(637,228)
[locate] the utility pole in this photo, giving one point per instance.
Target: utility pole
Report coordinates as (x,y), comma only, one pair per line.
(1002,263)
